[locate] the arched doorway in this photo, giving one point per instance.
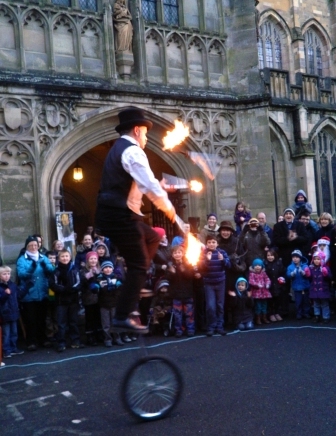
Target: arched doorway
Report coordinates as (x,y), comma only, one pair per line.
(89,142)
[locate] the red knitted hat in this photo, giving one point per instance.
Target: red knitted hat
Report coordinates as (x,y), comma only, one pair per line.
(160,231)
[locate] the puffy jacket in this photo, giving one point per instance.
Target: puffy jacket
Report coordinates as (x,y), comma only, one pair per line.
(297,274)
(274,270)
(33,276)
(213,271)
(9,308)
(319,282)
(66,290)
(259,284)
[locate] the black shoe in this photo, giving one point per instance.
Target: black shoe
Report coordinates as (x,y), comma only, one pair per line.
(130,325)
(118,341)
(221,332)
(178,335)
(32,347)
(190,334)
(61,348)
(209,333)
(316,319)
(325,321)
(126,338)
(133,337)
(77,345)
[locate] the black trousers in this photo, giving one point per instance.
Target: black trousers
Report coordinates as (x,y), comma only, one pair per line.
(34,315)
(137,243)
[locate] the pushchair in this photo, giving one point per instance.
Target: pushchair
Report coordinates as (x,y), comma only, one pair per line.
(161,317)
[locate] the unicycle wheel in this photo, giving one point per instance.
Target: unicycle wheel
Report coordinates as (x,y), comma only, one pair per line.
(151,388)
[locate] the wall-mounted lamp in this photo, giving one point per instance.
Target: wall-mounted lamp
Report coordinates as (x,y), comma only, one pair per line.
(77,173)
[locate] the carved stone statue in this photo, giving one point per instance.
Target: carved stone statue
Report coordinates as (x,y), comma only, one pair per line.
(122,23)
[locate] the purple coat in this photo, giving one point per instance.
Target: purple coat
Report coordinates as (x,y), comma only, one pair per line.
(319,284)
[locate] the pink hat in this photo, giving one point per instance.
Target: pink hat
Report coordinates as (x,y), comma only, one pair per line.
(160,231)
(91,254)
(321,255)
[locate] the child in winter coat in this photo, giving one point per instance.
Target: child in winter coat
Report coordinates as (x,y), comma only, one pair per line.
(65,282)
(9,313)
(213,263)
(242,215)
(180,276)
(88,275)
(241,303)
(296,272)
(259,285)
(107,284)
(319,292)
(275,271)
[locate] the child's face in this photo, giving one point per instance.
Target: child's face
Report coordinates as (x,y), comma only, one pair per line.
(241,286)
(212,244)
(52,258)
(108,270)
(92,262)
(101,251)
(317,261)
(5,276)
(177,255)
(64,258)
(59,245)
(240,208)
(300,198)
(257,268)
(225,233)
(296,260)
(322,247)
(270,257)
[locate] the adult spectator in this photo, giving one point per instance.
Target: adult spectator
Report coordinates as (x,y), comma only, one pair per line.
(33,271)
(311,232)
(83,250)
(261,217)
(254,241)
(39,239)
(326,223)
(210,228)
(302,205)
(288,235)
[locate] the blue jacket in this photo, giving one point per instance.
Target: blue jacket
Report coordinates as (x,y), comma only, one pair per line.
(296,274)
(9,308)
(213,271)
(34,276)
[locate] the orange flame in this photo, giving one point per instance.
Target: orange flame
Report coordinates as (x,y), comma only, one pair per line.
(176,136)
(195,185)
(194,249)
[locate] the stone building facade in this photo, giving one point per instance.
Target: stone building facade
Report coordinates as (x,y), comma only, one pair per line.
(254,81)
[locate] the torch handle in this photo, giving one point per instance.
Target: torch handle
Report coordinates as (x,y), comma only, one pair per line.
(179,221)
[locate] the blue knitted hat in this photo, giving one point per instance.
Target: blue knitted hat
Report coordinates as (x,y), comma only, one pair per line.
(257,262)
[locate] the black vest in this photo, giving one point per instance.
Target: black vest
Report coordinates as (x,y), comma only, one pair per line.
(116,182)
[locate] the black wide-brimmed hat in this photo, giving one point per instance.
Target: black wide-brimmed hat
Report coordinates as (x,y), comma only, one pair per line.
(132,117)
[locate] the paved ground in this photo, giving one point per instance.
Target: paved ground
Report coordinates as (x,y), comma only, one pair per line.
(277,380)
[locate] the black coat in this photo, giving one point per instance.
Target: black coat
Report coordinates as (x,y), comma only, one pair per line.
(242,308)
(274,270)
(66,287)
(285,246)
(234,250)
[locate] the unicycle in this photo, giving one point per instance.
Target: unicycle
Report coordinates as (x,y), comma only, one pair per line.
(151,387)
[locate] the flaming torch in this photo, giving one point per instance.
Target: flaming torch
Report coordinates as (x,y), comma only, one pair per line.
(176,136)
(194,246)
(195,186)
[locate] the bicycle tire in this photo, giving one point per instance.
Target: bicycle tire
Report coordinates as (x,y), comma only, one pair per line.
(151,388)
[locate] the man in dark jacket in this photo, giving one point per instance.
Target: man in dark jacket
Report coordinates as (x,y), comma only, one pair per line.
(288,235)
(126,177)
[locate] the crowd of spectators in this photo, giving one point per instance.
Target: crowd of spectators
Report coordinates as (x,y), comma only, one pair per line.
(247,274)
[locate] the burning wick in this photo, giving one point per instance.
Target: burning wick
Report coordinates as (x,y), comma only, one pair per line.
(195,186)
(194,248)
(176,136)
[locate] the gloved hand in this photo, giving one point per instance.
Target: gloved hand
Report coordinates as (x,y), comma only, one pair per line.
(307,271)
(324,271)
(281,280)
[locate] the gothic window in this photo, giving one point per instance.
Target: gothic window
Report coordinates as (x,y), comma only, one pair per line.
(149,10)
(62,2)
(169,8)
(313,47)
(324,146)
(90,5)
(170,12)
(269,46)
